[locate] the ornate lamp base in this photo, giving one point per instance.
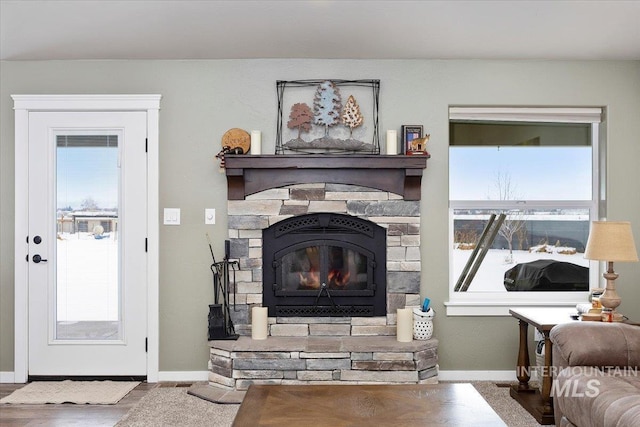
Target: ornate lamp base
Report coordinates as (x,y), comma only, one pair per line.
(610,299)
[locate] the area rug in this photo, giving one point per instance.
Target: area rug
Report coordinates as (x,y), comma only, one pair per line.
(174,407)
(164,407)
(91,392)
(498,397)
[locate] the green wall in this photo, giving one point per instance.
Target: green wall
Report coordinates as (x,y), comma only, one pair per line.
(203,99)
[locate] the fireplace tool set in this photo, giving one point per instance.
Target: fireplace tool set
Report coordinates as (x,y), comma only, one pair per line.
(220,323)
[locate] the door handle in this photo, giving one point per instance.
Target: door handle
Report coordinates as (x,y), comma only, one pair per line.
(37,258)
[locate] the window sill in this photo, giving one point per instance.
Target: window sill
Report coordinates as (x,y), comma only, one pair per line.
(499,304)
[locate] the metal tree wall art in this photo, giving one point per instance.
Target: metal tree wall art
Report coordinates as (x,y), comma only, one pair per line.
(300,118)
(327,105)
(327,127)
(351,115)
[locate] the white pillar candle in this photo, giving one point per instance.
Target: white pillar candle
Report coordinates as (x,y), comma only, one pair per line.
(259,323)
(392,142)
(256,142)
(404,327)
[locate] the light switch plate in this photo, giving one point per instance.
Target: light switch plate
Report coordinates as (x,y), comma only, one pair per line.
(209,216)
(171,216)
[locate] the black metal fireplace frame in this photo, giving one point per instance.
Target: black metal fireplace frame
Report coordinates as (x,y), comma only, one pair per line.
(330,229)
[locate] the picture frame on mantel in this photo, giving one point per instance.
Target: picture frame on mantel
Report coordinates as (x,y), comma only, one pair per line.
(409,133)
(308,124)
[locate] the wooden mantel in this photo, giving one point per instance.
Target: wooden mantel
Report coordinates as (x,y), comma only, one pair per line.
(249,174)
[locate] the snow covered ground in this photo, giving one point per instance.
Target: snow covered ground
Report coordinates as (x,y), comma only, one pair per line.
(87,271)
(490,276)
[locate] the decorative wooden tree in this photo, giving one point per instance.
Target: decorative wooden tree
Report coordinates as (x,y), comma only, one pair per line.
(351,115)
(327,105)
(300,117)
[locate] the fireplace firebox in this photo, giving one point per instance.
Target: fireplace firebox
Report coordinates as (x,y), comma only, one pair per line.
(324,264)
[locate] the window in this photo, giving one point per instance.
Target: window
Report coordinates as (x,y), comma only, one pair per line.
(524,184)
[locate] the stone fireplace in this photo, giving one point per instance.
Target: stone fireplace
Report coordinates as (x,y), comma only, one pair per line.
(331,244)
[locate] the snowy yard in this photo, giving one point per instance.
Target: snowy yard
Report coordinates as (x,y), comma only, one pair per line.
(87,277)
(490,276)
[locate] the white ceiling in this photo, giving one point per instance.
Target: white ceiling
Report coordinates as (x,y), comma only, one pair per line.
(210,29)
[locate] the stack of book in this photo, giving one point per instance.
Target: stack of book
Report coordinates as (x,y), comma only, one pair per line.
(588,312)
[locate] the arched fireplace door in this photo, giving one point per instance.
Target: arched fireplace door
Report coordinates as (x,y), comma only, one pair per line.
(324,264)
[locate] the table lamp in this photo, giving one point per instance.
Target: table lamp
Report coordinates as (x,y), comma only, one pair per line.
(611,241)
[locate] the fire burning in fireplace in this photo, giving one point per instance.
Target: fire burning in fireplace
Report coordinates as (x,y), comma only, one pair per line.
(311,279)
(309,260)
(337,279)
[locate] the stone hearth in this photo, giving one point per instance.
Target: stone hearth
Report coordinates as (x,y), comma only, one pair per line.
(332,349)
(322,360)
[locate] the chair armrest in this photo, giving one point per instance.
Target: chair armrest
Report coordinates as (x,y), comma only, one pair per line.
(596,344)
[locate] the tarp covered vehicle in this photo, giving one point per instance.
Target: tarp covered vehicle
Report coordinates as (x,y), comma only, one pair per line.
(547,275)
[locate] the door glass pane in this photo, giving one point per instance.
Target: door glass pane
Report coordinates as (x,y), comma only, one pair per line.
(347,269)
(87,291)
(301,269)
(338,267)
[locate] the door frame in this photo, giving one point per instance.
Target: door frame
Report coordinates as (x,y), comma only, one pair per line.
(23,105)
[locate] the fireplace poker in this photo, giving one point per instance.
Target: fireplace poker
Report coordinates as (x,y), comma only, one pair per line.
(216,270)
(225,291)
(220,272)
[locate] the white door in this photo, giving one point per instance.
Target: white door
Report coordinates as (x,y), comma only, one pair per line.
(87,262)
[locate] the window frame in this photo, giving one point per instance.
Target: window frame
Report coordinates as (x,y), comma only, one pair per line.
(499,303)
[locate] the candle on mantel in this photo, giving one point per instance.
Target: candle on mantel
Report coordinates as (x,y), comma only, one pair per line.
(404,327)
(392,142)
(259,325)
(256,141)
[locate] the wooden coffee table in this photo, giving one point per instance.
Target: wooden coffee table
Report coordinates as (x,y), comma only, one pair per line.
(366,405)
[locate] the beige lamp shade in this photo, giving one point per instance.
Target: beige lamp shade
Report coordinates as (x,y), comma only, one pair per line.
(611,241)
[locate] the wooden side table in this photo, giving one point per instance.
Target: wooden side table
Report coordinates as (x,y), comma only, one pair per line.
(537,402)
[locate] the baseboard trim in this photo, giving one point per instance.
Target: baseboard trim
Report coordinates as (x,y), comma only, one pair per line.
(442,375)
(183,376)
(7,377)
(477,375)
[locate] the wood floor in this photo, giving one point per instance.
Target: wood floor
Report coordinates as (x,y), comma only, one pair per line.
(71,414)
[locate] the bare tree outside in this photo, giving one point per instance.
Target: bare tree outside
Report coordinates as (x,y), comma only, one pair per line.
(89,204)
(514,223)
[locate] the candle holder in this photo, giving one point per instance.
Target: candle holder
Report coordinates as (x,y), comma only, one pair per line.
(256,142)
(404,325)
(259,323)
(392,142)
